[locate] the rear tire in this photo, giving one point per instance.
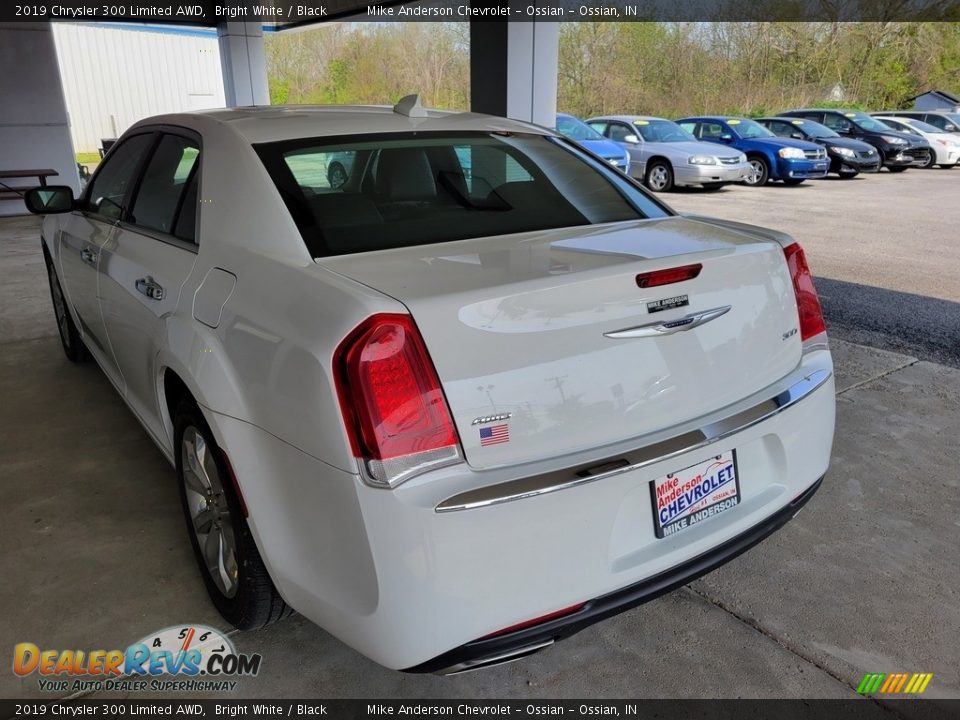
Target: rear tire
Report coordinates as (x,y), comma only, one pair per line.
(660,176)
(234,574)
(70,339)
(930,162)
(761,172)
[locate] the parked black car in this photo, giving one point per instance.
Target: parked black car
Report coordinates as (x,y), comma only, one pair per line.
(848,157)
(898,151)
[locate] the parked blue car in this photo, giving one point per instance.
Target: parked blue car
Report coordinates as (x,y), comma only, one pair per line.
(585,136)
(770,156)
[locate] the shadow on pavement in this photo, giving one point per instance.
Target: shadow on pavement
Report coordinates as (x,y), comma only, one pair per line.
(925,327)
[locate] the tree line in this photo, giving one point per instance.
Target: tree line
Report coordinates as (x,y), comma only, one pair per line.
(656,68)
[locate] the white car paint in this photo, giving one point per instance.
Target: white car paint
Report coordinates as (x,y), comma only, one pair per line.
(251,323)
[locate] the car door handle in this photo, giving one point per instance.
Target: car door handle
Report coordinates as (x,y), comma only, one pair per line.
(146,286)
(88,256)
(659,329)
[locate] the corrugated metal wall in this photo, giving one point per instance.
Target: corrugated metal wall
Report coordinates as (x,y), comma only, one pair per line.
(113,77)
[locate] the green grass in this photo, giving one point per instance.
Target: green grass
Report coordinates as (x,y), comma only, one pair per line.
(84,158)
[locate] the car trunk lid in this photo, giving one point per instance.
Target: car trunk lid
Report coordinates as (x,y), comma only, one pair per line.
(545,344)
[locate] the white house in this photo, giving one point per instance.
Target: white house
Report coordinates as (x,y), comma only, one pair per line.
(934,100)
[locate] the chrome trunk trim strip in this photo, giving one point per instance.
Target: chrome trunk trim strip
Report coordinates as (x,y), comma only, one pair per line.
(641,457)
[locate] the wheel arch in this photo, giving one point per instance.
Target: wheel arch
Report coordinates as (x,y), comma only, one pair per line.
(216,390)
(653,159)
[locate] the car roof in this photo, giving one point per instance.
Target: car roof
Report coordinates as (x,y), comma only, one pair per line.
(629,118)
(825,110)
(785,118)
(721,118)
(287,122)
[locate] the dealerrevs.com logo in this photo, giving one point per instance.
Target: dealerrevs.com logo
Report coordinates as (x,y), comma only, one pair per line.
(182,658)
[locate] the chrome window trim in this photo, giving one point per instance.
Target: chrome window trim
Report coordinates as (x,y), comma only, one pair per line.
(648,455)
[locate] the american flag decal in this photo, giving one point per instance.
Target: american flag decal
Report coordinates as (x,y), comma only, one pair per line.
(494,435)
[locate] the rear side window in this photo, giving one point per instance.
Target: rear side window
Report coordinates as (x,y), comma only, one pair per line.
(414,189)
(837,122)
(711,130)
(167,186)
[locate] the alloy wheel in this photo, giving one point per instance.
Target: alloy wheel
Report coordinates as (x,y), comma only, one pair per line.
(209,512)
(659,178)
(757,172)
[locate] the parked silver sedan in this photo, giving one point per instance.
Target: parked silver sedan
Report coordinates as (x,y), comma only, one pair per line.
(664,155)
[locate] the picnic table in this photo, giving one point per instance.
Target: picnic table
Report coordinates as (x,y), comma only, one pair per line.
(41,175)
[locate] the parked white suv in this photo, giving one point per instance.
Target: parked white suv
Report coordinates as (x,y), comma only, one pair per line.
(449,416)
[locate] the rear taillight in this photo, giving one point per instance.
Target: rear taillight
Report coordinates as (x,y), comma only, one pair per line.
(808,304)
(395,412)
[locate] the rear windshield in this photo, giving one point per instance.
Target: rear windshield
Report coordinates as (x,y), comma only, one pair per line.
(360,194)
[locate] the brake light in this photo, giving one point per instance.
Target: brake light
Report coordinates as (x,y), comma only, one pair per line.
(668,276)
(537,621)
(808,304)
(396,415)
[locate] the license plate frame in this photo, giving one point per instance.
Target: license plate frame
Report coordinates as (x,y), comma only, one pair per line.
(688,501)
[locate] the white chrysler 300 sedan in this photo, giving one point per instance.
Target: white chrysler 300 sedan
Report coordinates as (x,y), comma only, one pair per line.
(484,392)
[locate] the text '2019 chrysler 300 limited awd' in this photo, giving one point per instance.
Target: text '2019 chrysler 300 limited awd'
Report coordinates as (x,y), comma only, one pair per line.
(449,416)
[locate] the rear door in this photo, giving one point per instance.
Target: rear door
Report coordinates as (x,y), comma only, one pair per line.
(144,265)
(83,235)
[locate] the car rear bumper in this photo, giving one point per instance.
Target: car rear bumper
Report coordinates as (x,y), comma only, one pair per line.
(700,174)
(411,586)
(523,642)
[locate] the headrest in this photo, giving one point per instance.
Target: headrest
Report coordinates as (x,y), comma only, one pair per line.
(404,174)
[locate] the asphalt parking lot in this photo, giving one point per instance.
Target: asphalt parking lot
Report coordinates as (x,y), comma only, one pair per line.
(883,248)
(866,579)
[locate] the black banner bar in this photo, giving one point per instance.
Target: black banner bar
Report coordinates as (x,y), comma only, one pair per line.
(854,709)
(283,13)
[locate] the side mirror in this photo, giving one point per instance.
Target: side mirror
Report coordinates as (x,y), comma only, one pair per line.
(631,139)
(49,200)
(726,137)
(950,128)
(796,135)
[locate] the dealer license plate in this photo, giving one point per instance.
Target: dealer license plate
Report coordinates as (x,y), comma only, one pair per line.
(688,497)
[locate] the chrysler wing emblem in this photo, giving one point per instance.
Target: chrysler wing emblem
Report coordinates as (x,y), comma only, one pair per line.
(669,327)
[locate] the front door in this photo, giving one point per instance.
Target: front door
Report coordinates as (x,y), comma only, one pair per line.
(82,238)
(144,266)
